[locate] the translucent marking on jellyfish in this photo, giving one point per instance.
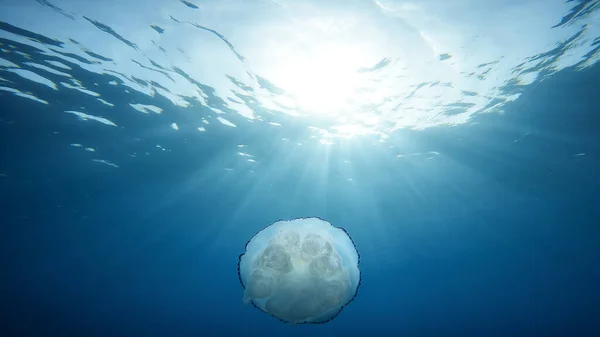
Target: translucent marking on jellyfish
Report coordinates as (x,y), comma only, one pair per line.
(225,122)
(146,108)
(85,117)
(30,75)
(300,271)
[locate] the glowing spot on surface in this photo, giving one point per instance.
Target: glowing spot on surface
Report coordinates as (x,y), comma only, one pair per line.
(7,64)
(80,89)
(300,271)
(321,79)
(59,65)
(23,94)
(105,162)
(174,126)
(145,108)
(225,122)
(48,69)
(105,102)
(85,117)
(201,129)
(30,75)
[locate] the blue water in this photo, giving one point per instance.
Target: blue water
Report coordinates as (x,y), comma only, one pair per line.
(118,222)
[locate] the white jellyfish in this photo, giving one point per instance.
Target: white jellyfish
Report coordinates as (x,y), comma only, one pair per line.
(300,271)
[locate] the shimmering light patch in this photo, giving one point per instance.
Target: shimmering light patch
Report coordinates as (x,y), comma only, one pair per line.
(30,75)
(85,117)
(419,155)
(89,149)
(105,162)
(201,129)
(59,64)
(145,108)
(25,55)
(24,95)
(174,126)
(81,89)
(7,64)
(225,122)
(105,102)
(162,148)
(48,69)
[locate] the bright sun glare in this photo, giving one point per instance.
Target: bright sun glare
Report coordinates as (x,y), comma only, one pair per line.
(323,79)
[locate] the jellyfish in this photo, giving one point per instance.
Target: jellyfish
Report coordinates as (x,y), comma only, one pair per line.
(300,271)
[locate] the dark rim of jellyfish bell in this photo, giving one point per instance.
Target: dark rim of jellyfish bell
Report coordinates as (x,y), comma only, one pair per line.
(341,308)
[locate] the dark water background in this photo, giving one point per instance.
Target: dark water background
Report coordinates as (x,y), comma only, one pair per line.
(497,236)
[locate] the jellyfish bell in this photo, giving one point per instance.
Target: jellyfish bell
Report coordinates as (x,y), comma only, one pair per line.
(300,271)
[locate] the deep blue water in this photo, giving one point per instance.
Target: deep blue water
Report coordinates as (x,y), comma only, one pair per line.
(498,235)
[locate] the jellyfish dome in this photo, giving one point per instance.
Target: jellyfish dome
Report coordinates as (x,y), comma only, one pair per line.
(300,271)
